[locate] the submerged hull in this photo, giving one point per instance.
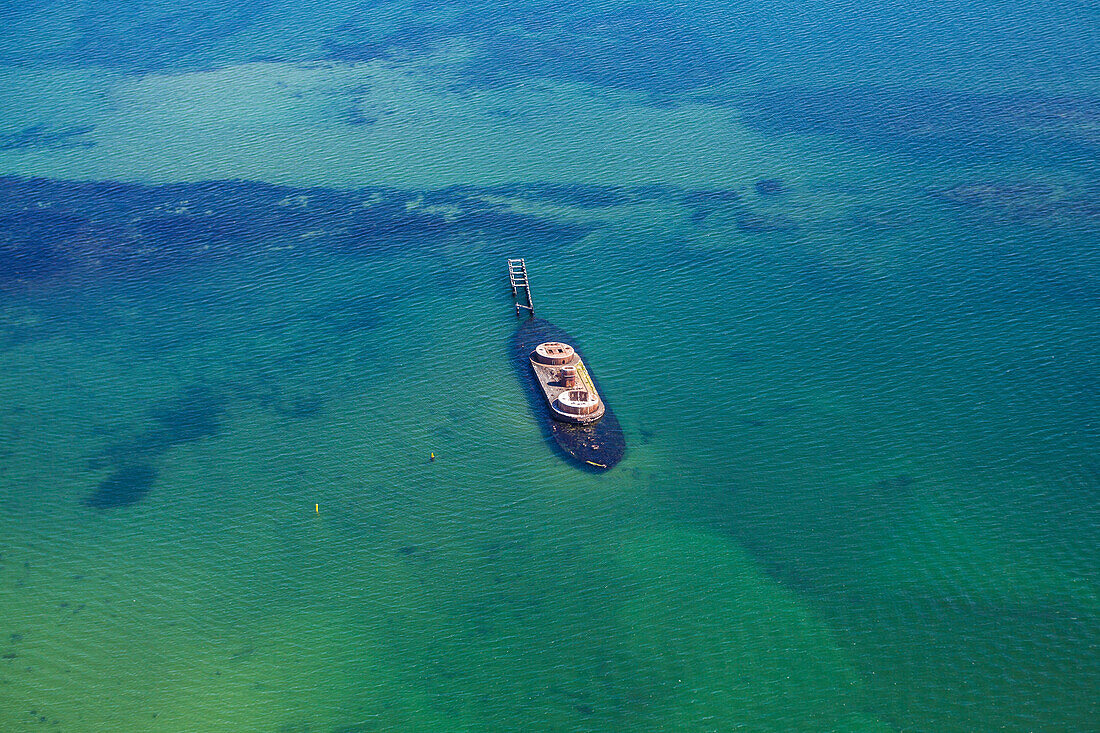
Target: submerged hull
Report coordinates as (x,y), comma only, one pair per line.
(597,446)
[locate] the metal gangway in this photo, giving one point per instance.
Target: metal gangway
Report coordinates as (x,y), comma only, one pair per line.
(517,277)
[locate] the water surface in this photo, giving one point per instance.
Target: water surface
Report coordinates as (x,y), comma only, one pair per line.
(252,276)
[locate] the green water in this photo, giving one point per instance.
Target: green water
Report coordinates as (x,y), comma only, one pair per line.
(860,486)
(833,515)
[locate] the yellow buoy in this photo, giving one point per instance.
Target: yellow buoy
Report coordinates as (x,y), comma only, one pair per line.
(433,456)
(317,508)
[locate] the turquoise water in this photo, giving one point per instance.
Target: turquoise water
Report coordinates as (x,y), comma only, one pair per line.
(835,268)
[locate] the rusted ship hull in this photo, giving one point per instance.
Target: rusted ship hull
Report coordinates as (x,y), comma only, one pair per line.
(596,447)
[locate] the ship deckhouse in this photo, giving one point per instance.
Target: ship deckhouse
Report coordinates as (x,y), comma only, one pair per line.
(566,384)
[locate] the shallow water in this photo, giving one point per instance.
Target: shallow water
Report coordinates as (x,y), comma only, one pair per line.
(850,252)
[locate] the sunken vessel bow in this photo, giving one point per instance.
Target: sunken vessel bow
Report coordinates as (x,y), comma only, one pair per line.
(565,396)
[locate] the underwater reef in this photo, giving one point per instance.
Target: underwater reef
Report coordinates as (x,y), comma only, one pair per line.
(44,136)
(931,123)
(52,231)
(55,231)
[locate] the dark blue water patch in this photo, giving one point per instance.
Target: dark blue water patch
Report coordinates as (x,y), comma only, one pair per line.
(13,335)
(192,415)
(769,187)
(47,137)
(592,196)
(133,38)
(360,39)
(662,49)
(1023,202)
(302,406)
(26,250)
(62,232)
(655,48)
(704,202)
(569,194)
(260,384)
(353,314)
(358,118)
(666,49)
(59,230)
(126,485)
(932,122)
(290,405)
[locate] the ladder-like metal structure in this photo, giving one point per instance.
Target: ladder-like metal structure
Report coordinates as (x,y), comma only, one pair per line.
(517,277)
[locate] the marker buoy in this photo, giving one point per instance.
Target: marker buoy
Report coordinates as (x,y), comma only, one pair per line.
(317,508)
(433,456)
